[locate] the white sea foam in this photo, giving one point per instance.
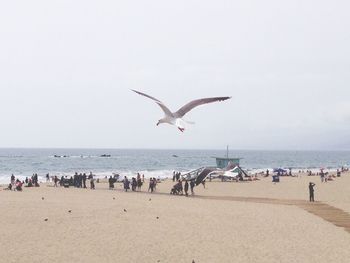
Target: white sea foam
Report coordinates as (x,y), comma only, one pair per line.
(161,174)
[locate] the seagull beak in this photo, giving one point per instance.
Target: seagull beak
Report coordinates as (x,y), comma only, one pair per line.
(158,123)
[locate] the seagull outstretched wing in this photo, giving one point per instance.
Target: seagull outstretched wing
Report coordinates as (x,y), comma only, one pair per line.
(160,104)
(195,103)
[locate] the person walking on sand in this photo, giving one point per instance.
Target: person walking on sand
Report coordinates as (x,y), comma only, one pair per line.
(311,191)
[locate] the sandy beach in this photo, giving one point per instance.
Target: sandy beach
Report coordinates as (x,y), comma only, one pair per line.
(113,226)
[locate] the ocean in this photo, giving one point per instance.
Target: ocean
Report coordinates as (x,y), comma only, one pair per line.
(154,163)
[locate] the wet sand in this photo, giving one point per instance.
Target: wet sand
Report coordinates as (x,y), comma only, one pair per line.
(226,222)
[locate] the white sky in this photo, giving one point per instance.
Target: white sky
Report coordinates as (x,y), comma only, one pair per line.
(67,67)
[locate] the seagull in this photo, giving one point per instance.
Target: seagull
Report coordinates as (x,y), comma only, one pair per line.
(176,118)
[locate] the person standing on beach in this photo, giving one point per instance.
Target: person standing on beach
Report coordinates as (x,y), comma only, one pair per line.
(186,188)
(75,179)
(139,183)
(47,178)
(80,180)
(181,188)
(154,183)
(62,181)
(311,191)
(151,185)
(133,184)
(55,180)
(322,176)
(13,179)
(111,183)
(92,182)
(84,180)
(126,184)
(192,186)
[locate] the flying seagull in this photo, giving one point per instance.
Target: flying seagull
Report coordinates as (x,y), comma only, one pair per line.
(176,118)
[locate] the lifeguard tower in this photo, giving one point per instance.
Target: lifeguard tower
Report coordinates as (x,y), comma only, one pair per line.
(223,162)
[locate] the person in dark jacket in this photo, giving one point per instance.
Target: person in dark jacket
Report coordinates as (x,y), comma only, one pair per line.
(192,184)
(139,183)
(186,188)
(133,184)
(84,180)
(151,185)
(126,184)
(311,191)
(111,183)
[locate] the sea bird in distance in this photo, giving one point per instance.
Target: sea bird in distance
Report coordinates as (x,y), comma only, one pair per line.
(176,118)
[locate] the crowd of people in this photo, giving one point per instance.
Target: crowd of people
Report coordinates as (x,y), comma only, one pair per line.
(80,180)
(179,189)
(17,184)
(77,180)
(136,183)
(176,176)
(326,176)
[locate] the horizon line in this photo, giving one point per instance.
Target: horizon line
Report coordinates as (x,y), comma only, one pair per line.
(176,149)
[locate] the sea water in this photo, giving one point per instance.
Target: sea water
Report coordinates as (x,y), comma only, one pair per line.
(153,163)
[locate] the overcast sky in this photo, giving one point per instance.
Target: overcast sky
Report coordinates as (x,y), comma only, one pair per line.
(67,67)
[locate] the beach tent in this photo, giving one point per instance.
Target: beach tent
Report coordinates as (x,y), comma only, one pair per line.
(236,171)
(201,177)
(279,170)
